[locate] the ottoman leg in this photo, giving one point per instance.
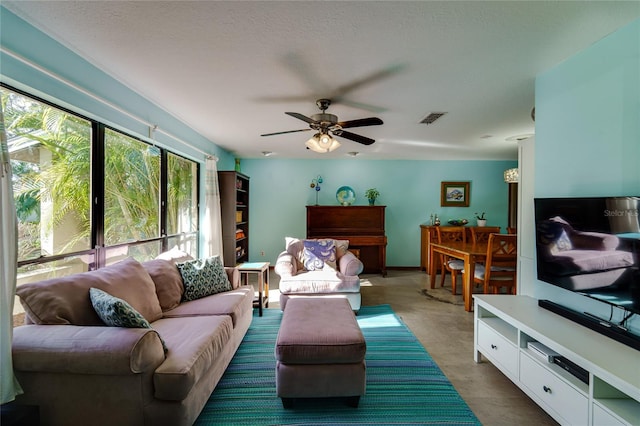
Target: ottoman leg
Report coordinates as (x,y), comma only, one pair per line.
(353,401)
(287,402)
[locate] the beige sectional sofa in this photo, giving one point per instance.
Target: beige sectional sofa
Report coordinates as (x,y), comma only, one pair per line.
(79,371)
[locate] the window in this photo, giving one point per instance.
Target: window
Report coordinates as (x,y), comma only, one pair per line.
(131,190)
(50,153)
(87,195)
(182,205)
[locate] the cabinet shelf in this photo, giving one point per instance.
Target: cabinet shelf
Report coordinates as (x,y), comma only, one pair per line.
(612,394)
(234,212)
(503,328)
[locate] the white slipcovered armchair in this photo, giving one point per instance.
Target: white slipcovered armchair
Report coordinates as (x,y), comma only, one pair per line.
(322,267)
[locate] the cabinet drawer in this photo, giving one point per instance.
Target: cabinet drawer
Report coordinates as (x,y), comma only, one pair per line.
(497,349)
(565,400)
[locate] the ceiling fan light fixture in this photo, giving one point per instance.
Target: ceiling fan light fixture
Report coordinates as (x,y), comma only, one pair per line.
(322,143)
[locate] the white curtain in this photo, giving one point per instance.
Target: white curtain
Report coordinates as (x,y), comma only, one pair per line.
(8,270)
(212,222)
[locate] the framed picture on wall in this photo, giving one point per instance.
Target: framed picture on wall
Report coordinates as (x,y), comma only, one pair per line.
(454,194)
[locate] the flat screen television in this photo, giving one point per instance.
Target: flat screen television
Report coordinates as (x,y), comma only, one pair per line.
(591,246)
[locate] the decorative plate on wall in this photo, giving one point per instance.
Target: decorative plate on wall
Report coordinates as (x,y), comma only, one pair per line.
(345,195)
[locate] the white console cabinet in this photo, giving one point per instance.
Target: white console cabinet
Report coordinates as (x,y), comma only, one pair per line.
(505,324)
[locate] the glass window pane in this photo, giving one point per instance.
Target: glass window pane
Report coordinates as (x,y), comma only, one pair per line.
(50,153)
(132,181)
(187,243)
(141,252)
(182,196)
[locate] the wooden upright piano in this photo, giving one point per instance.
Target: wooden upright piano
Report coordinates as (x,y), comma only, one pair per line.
(363,226)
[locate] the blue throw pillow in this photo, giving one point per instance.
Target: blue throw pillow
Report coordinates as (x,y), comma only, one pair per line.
(318,254)
(116,312)
(203,277)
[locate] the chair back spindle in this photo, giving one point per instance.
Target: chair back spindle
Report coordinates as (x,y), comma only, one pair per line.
(500,266)
(481,233)
(454,266)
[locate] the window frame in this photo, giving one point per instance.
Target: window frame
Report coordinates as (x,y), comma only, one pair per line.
(97,179)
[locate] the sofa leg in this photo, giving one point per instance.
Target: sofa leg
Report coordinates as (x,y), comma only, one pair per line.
(287,402)
(353,401)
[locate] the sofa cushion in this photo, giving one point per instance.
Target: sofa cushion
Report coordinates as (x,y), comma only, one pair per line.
(115,312)
(86,351)
(66,300)
(195,345)
(203,277)
(319,282)
(319,254)
(168,282)
(572,262)
(233,303)
(295,248)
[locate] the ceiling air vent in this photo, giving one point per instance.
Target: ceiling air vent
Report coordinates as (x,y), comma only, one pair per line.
(432,117)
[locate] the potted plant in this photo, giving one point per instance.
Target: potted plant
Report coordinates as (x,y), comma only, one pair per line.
(481,219)
(372,194)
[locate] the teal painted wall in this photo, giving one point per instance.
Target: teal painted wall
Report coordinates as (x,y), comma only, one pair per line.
(280,192)
(588,120)
(588,134)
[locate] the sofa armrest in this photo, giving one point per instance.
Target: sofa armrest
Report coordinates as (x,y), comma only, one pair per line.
(349,264)
(234,276)
(285,265)
(582,240)
(86,349)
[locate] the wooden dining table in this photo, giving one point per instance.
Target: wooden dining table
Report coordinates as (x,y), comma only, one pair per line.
(469,253)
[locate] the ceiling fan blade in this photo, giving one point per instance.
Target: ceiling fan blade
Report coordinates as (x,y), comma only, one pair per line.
(341,91)
(301,117)
(371,121)
(352,136)
(287,99)
(288,131)
(362,106)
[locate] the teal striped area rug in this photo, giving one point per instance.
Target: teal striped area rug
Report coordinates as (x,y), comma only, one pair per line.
(404,385)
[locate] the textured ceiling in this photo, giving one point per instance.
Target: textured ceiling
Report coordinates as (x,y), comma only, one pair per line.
(230,69)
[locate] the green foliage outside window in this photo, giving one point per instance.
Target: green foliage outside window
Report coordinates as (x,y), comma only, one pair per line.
(51,160)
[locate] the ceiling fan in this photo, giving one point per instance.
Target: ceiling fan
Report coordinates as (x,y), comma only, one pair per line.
(326,125)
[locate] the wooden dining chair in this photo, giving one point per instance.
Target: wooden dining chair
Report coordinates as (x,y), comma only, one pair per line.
(512,230)
(499,269)
(454,266)
(481,233)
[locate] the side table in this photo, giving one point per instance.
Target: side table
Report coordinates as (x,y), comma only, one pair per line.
(262,270)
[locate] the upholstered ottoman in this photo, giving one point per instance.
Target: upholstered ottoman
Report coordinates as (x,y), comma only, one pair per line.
(320,351)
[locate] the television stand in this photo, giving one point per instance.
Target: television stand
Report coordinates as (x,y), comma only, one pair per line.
(504,326)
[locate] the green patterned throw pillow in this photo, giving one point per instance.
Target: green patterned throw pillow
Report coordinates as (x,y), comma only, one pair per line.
(116,312)
(203,277)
